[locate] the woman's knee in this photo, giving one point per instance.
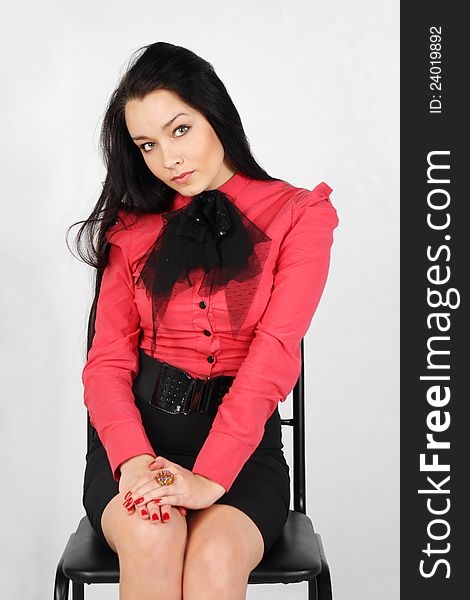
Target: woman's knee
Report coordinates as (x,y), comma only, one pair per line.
(218,555)
(133,535)
(225,535)
(221,549)
(228,571)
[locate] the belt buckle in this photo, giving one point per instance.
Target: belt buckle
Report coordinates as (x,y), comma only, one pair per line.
(206,395)
(165,396)
(193,400)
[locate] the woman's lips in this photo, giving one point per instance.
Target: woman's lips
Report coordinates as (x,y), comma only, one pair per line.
(183,179)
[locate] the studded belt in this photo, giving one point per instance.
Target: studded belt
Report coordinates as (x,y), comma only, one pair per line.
(175,391)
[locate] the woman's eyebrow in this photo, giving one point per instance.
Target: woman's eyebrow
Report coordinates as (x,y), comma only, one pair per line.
(146,137)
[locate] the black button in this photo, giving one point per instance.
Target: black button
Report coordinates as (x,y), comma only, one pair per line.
(210,359)
(202,304)
(207,332)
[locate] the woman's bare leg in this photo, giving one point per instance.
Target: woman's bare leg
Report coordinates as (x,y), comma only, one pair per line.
(151,555)
(223,546)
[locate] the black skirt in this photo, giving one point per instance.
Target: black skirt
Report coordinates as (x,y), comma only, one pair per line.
(261,490)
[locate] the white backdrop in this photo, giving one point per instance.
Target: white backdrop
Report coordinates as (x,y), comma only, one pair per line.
(317,87)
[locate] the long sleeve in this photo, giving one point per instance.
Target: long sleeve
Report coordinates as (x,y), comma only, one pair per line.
(113,361)
(272,366)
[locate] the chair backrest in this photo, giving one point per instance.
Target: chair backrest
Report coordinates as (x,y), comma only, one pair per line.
(297,422)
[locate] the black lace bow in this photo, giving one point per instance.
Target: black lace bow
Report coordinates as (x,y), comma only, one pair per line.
(211,237)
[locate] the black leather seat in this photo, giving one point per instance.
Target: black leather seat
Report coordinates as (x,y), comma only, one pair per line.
(296,556)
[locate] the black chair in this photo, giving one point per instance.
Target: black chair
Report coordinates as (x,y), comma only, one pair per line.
(296,556)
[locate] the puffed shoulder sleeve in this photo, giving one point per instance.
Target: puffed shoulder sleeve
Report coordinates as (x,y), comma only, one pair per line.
(272,366)
(113,361)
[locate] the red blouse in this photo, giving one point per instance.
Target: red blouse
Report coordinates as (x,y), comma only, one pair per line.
(195,335)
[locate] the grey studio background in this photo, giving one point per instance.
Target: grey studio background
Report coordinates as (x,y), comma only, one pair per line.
(317,87)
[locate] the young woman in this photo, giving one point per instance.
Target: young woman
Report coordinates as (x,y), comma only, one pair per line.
(209,272)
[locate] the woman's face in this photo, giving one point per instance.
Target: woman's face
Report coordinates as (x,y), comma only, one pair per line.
(172,144)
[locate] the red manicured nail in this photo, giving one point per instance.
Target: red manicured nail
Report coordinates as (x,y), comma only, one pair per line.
(165,516)
(139,500)
(144,512)
(154,517)
(131,509)
(127,503)
(157,500)
(127,495)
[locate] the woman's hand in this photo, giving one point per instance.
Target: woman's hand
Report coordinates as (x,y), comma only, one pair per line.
(134,473)
(189,490)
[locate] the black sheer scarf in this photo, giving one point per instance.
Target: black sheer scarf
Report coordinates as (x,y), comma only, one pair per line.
(210,235)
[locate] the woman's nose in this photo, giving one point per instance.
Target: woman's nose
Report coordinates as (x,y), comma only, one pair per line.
(170,159)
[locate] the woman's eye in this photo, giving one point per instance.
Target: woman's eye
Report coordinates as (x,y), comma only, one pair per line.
(182,127)
(185,127)
(143,146)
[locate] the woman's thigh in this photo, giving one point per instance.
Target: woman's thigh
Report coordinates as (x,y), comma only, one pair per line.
(223,531)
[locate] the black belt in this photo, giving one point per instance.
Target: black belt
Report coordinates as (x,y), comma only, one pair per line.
(175,391)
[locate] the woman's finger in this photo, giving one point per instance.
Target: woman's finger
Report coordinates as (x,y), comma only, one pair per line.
(150,483)
(154,512)
(171,500)
(166,513)
(161,463)
(160,514)
(128,504)
(159,494)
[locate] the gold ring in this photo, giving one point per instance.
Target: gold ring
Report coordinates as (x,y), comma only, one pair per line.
(164,477)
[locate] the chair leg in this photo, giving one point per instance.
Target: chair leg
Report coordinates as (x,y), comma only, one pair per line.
(78,593)
(312,589)
(61,586)
(323,578)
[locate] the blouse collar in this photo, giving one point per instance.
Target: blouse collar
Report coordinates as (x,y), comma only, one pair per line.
(234,184)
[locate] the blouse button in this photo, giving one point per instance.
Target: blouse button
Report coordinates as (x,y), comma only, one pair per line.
(210,359)
(202,304)
(207,332)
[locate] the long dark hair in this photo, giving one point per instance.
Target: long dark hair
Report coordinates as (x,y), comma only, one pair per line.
(129,183)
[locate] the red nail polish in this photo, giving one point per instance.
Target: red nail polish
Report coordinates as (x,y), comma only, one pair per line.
(127,495)
(144,512)
(127,503)
(139,500)
(131,509)
(165,516)
(154,517)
